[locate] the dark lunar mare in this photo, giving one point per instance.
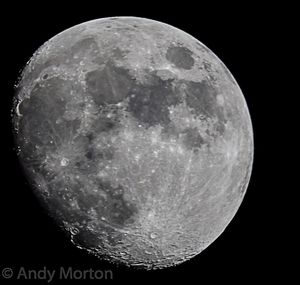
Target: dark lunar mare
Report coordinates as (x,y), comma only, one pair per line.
(110,85)
(149,103)
(38,130)
(42,131)
(180,56)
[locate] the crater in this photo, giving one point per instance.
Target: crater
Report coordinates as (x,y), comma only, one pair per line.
(180,56)
(45,76)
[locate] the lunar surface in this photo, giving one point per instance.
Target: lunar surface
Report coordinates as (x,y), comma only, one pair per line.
(135,137)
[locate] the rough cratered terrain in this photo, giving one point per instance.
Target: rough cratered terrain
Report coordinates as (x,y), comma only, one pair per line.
(136,137)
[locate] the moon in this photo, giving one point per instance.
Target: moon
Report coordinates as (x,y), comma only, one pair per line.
(136,138)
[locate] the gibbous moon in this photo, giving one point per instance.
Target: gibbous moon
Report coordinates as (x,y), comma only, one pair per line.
(136,138)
